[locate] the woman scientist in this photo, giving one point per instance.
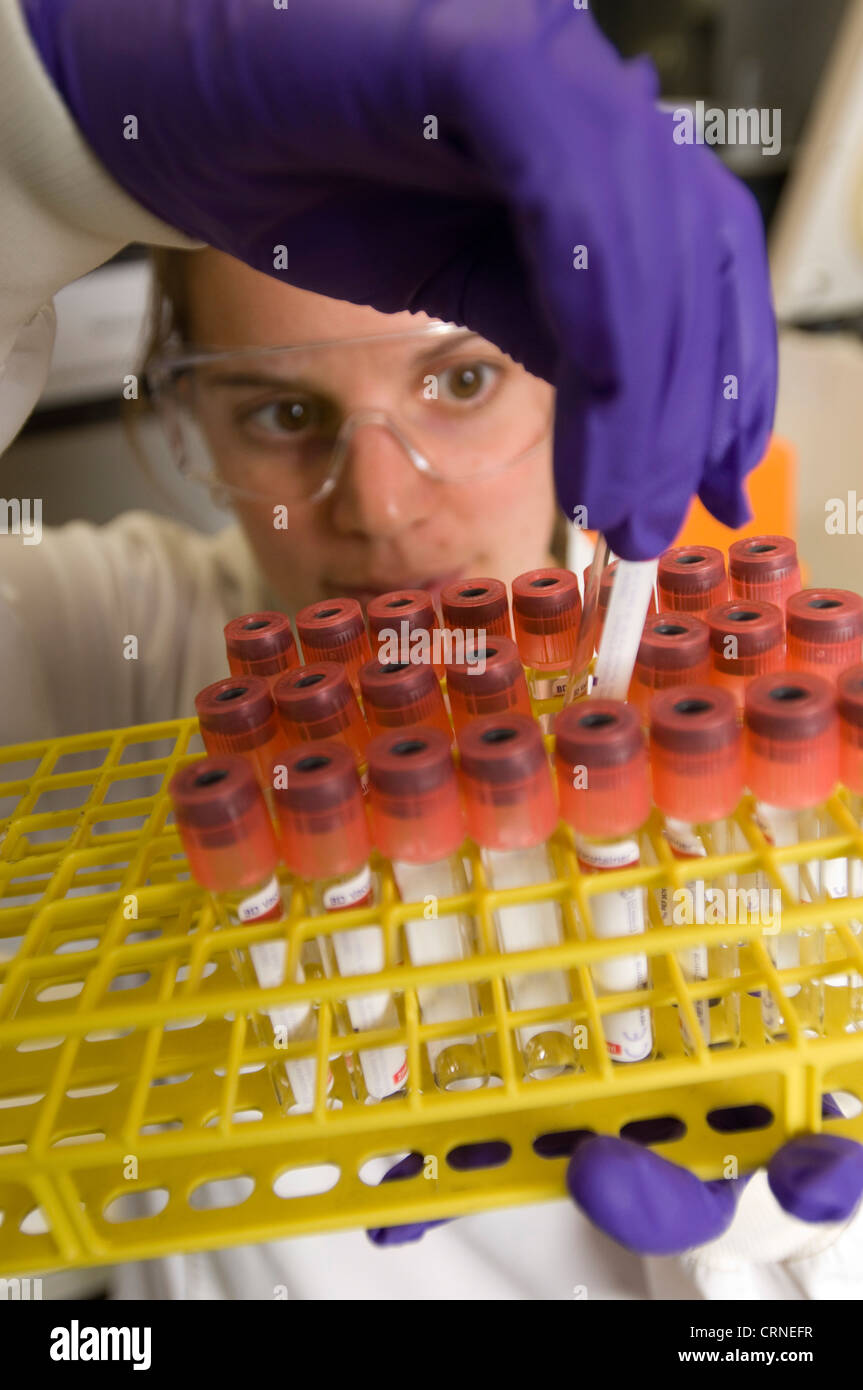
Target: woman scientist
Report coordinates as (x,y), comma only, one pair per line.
(486,165)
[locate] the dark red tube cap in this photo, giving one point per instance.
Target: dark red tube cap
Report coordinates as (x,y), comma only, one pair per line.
(546,611)
(414,796)
(825,630)
(261,644)
(395,694)
(318,702)
(506,779)
(237,715)
(321,811)
(764,567)
(389,611)
(696,747)
(747,639)
(477,604)
(492,684)
(602,770)
(850,696)
(223,823)
(692,578)
(792,738)
(334,630)
(674,651)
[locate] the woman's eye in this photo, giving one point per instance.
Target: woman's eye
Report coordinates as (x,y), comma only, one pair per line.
(289,416)
(467,382)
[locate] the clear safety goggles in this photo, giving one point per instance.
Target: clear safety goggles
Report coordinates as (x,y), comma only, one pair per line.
(278,424)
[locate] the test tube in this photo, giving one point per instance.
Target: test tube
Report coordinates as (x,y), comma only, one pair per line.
(605,584)
(335,630)
(844,993)
(691,578)
(325,841)
(747,639)
(764,567)
(404,615)
(494,685)
(418,823)
(696,753)
(604,790)
(674,651)
(261,644)
(318,701)
(228,838)
(825,631)
(546,612)
(237,715)
(395,694)
(511,813)
(477,606)
(792,766)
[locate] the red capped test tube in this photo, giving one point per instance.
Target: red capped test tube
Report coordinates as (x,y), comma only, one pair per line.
(511,813)
(228,838)
(335,630)
(691,579)
(492,684)
(418,823)
(792,766)
(850,1000)
(318,701)
(237,715)
(261,644)
(546,612)
(604,789)
(825,631)
(850,700)
(479,607)
(696,751)
(400,693)
(397,621)
(674,651)
(325,841)
(765,568)
(747,639)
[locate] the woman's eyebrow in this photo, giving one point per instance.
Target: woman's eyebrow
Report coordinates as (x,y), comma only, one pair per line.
(237,380)
(446,342)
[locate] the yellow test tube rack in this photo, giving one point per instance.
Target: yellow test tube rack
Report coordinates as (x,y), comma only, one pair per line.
(137,1116)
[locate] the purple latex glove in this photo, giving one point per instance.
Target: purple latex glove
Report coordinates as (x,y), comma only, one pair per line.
(306,127)
(654,1207)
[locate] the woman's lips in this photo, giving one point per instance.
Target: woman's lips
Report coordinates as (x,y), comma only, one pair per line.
(364,593)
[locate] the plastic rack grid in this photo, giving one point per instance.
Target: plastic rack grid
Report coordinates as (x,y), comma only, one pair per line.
(137,1115)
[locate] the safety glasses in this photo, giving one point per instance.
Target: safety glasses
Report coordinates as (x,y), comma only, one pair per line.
(279,424)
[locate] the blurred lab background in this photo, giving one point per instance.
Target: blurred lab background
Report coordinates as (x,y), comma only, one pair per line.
(801,59)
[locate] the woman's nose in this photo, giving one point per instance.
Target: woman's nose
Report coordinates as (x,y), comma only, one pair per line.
(379,493)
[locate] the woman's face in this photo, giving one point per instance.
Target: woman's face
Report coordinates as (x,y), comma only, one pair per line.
(384,525)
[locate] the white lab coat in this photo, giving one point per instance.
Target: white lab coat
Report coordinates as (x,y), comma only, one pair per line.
(66,606)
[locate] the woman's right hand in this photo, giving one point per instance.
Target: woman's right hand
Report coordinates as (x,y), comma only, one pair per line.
(452,158)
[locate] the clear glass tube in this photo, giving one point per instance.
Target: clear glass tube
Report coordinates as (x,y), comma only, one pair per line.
(843,993)
(629,1034)
(382,1071)
(547,1049)
(458,1064)
(263,965)
(782,827)
(700,902)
